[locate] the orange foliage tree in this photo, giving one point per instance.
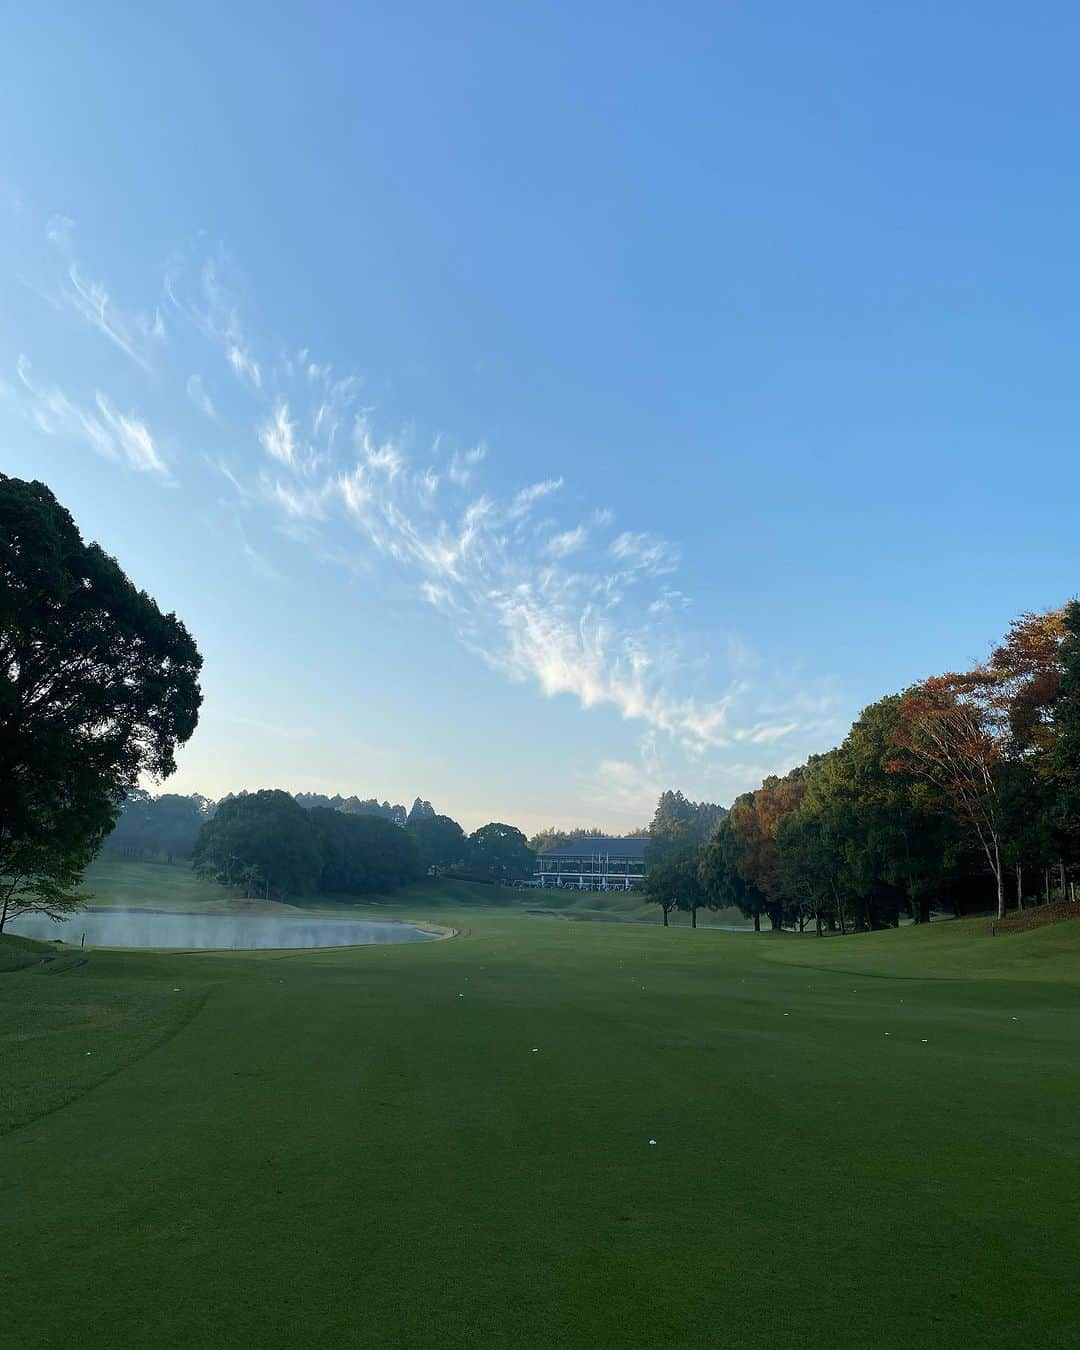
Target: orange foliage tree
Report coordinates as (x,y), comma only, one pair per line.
(951,731)
(756,819)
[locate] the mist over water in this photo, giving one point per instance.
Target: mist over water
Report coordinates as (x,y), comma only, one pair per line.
(127,928)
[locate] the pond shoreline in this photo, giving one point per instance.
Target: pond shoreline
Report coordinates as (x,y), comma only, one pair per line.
(139,928)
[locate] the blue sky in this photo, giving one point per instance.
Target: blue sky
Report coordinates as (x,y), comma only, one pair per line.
(536,407)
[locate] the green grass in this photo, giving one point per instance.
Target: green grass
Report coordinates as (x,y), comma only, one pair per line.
(116,882)
(17,953)
(360,1148)
(169,886)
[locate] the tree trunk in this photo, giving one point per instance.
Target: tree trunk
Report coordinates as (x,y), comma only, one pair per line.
(693,916)
(3,912)
(757,923)
(817,922)
(1061,875)
(1020,887)
(1000,879)
(665,908)
(1046,881)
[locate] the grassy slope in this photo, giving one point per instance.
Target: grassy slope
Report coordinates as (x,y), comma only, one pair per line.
(111,881)
(337,1149)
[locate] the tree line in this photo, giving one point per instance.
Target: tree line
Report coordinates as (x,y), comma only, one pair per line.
(166,827)
(358,806)
(962,792)
(268,844)
(543,841)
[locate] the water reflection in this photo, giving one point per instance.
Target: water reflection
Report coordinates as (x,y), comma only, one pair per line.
(127,928)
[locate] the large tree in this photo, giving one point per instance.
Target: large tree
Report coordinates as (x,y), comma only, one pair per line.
(43,875)
(97,688)
(264,841)
(362,853)
(678,834)
(420,810)
(674,812)
(672,875)
(952,733)
(440,841)
(722,876)
(1065,756)
(500,852)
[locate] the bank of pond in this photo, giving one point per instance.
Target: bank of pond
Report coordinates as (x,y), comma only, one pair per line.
(215,932)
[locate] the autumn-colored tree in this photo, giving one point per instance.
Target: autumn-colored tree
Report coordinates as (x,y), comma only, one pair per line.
(965,767)
(1030,677)
(722,879)
(1024,680)
(1065,758)
(1017,693)
(952,732)
(753,848)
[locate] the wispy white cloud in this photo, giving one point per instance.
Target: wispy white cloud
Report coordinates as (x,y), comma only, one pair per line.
(138,335)
(669,601)
(644,552)
(276,435)
(569,541)
(524,500)
(589,631)
(624,788)
(462,465)
(580,612)
(196,392)
(214,313)
(221,466)
(132,436)
(134,334)
(60,231)
(244,364)
(111,434)
(765,732)
(300,501)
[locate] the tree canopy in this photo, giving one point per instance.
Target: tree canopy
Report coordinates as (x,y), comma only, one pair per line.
(440,842)
(97,688)
(545,840)
(267,843)
(499,852)
(165,826)
(678,835)
(354,806)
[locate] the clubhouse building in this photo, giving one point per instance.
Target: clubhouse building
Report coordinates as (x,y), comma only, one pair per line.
(593,864)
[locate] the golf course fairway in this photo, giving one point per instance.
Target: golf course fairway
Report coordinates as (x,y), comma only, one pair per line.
(866,1141)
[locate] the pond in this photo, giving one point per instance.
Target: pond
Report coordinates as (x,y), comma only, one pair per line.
(143,928)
